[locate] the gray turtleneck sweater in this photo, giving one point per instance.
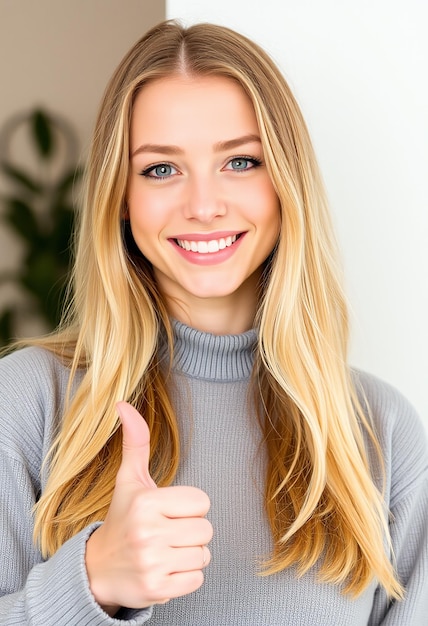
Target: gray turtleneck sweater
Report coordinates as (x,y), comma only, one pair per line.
(221,455)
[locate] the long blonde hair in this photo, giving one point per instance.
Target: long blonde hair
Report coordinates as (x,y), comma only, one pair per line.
(320,498)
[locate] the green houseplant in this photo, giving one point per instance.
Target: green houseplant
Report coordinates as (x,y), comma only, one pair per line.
(39,210)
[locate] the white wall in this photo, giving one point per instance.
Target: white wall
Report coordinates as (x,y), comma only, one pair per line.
(359,71)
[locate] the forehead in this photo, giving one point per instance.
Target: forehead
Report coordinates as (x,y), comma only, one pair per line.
(182,107)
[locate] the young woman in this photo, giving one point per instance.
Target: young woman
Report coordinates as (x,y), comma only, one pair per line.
(268,483)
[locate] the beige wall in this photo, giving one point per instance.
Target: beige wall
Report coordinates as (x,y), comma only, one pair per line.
(60,54)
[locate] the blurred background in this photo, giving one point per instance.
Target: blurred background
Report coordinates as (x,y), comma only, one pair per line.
(57,57)
(358,71)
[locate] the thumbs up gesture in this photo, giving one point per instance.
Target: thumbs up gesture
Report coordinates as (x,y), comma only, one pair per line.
(152,544)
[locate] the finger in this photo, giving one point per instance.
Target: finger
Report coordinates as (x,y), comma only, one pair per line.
(186,532)
(178,584)
(187,559)
(182,501)
(190,559)
(136,446)
(175,560)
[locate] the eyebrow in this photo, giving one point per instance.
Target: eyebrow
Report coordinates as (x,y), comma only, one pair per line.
(218,147)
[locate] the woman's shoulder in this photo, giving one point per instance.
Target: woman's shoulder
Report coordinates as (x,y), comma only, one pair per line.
(387,403)
(33,383)
(399,429)
(28,370)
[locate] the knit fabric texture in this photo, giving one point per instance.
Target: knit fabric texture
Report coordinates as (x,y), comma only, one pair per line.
(221,454)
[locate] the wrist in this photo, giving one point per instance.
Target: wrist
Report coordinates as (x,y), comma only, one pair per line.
(96,584)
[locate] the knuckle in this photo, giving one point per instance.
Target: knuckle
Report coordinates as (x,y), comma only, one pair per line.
(152,577)
(152,583)
(152,589)
(145,501)
(142,535)
(148,562)
(137,509)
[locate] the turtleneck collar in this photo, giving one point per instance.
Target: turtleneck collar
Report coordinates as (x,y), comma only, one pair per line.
(213,357)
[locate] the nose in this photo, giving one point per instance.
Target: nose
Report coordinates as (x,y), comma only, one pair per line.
(204,202)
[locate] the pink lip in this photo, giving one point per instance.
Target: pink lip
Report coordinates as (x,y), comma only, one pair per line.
(206,236)
(211,258)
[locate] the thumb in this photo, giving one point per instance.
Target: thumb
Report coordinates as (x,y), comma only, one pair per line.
(136,446)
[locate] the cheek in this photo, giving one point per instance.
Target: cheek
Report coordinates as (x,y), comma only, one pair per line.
(263,205)
(146,211)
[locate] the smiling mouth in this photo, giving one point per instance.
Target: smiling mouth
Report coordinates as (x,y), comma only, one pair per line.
(207,247)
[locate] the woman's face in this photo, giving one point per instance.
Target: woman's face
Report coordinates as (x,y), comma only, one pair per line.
(202,207)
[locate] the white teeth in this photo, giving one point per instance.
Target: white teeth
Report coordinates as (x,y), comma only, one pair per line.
(206,247)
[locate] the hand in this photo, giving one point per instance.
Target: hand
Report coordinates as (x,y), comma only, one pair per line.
(151,546)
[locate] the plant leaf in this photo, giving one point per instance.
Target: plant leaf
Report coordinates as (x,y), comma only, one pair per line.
(6,324)
(20,177)
(45,280)
(42,133)
(60,235)
(65,186)
(69,179)
(22,219)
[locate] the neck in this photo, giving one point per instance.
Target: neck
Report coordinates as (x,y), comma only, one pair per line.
(229,315)
(214,322)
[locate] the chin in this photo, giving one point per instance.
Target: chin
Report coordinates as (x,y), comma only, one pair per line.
(212,294)
(214,290)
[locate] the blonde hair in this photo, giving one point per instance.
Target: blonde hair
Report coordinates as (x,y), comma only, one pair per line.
(320,497)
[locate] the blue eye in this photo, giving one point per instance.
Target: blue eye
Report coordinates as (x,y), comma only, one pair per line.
(241,164)
(162,170)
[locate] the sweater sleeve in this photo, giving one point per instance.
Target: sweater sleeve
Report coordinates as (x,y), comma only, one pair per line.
(404,442)
(51,593)
(55,592)
(409,534)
